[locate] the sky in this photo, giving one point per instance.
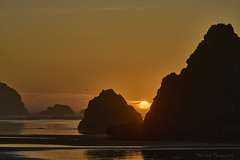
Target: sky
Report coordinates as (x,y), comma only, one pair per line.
(67,51)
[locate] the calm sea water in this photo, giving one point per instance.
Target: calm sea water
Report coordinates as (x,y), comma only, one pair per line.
(39,127)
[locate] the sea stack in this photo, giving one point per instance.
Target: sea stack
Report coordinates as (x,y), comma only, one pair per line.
(106,110)
(10,101)
(202,103)
(58,109)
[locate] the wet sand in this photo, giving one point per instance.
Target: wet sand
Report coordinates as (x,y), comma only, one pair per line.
(13,146)
(102,140)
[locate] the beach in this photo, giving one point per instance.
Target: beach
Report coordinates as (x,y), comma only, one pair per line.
(23,139)
(98,146)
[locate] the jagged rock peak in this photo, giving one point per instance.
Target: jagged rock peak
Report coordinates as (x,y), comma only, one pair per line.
(109,96)
(202,102)
(108,92)
(220,31)
(219,48)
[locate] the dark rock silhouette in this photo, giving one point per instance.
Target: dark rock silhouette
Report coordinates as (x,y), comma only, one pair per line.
(58,109)
(202,103)
(10,101)
(106,110)
(131,131)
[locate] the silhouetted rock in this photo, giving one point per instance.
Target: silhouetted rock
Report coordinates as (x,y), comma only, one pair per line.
(58,109)
(131,131)
(106,110)
(202,103)
(10,101)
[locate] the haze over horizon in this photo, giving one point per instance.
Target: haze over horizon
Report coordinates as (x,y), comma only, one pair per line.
(68,51)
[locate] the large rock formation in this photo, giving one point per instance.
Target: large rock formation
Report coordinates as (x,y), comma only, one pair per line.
(202,102)
(10,101)
(58,109)
(106,110)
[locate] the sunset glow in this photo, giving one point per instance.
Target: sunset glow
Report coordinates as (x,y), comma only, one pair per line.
(144,105)
(66,52)
(119,79)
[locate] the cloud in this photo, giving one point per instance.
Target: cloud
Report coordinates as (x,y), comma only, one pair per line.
(130,102)
(64,11)
(122,8)
(40,11)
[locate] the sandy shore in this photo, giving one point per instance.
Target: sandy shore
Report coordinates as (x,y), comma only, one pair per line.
(11,147)
(102,141)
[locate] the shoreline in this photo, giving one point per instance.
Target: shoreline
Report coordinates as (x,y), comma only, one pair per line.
(36,147)
(98,141)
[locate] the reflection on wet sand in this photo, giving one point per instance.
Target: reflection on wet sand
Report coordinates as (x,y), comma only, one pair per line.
(113,154)
(162,155)
(60,152)
(191,154)
(83,154)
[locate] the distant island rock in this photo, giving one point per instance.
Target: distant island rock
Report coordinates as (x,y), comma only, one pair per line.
(58,109)
(202,103)
(10,101)
(106,110)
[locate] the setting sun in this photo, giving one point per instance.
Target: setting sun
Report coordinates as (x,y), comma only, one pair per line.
(144,105)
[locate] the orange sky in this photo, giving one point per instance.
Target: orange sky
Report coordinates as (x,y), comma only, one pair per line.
(67,51)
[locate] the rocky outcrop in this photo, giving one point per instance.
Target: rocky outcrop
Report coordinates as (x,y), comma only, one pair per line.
(203,102)
(10,101)
(58,109)
(106,110)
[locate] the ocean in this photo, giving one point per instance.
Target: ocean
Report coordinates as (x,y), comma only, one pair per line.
(39,127)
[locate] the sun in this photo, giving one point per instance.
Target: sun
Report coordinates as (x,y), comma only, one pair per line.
(144,105)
